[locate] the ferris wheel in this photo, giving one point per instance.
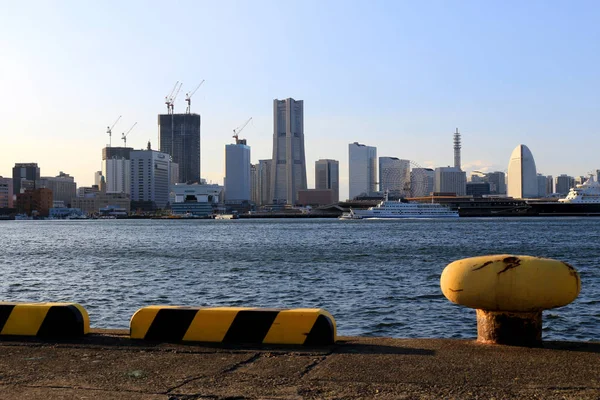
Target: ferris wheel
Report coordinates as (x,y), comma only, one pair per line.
(406,180)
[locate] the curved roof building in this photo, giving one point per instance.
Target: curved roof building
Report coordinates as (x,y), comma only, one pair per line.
(522,175)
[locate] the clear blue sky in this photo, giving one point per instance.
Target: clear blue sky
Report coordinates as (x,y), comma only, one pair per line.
(398,75)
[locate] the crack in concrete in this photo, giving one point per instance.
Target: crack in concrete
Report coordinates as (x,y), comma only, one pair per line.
(313,364)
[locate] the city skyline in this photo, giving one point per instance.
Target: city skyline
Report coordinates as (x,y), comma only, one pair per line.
(378,78)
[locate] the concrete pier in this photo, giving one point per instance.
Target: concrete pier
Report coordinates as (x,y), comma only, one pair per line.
(108,365)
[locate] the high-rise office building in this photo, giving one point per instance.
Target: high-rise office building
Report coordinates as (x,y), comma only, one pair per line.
(6,192)
(116,169)
(549,184)
(288,171)
(237,172)
(394,176)
(179,136)
(254,188)
(327,176)
(25,175)
(264,168)
(63,187)
(98,177)
(362,169)
(542,182)
(422,182)
(150,175)
(450,180)
(497,181)
(563,184)
(522,174)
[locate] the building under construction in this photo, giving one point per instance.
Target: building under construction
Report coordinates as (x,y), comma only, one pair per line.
(179,136)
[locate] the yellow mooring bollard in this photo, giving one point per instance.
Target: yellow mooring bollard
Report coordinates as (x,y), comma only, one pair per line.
(509,293)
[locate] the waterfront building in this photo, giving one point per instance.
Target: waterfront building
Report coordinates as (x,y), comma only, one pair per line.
(237,172)
(288,169)
(25,176)
(263,172)
(549,184)
(97,177)
(394,176)
(522,174)
(362,170)
(497,181)
(35,202)
(477,189)
(84,191)
(150,174)
(179,137)
(63,187)
(542,181)
(316,197)
(563,184)
(93,202)
(116,169)
(65,213)
(327,176)
(6,192)
(422,181)
(450,180)
(197,200)
(254,188)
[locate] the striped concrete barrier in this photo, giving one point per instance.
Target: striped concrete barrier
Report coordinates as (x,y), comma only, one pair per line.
(303,326)
(43,320)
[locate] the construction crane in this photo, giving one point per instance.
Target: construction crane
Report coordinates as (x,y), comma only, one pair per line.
(124,135)
(170,99)
(109,131)
(239,129)
(188,97)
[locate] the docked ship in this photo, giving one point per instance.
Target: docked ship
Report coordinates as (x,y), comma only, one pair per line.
(586,193)
(582,200)
(387,209)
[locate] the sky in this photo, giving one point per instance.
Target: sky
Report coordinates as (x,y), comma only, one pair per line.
(397,75)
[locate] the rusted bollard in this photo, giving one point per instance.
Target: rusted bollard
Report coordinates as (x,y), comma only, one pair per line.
(509,293)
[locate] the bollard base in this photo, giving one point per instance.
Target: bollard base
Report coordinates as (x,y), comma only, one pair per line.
(511,328)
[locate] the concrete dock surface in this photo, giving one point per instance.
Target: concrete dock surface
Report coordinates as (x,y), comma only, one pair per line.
(108,365)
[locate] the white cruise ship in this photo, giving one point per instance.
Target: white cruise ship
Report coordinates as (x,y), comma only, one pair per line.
(586,193)
(397,209)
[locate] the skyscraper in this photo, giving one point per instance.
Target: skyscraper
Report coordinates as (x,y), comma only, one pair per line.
(25,172)
(237,172)
(522,175)
(288,171)
(497,181)
(150,175)
(450,180)
(394,176)
(362,169)
(564,183)
(179,136)
(264,181)
(327,176)
(116,169)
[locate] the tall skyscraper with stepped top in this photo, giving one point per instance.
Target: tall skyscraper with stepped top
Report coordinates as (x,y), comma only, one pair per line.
(288,169)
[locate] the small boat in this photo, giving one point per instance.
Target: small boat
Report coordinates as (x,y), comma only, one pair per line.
(350,215)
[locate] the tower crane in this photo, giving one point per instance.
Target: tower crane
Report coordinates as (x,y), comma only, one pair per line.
(239,129)
(109,131)
(124,135)
(170,99)
(188,97)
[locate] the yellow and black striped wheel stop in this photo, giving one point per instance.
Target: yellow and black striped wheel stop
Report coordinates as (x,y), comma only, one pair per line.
(303,326)
(43,320)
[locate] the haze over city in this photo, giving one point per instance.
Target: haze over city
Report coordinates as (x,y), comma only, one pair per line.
(400,76)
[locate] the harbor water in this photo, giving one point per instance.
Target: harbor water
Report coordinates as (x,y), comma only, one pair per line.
(377,277)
